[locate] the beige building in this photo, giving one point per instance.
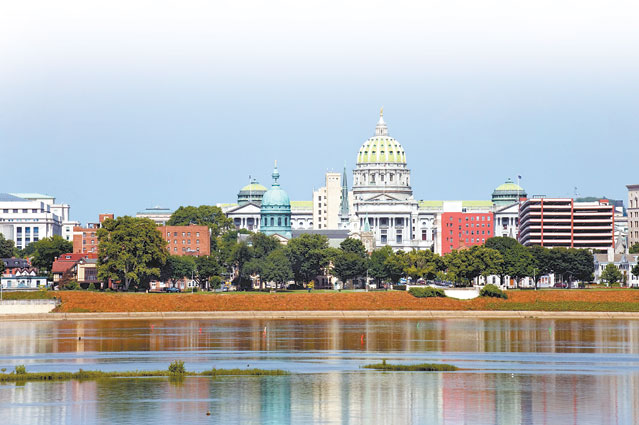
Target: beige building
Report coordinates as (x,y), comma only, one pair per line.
(326,203)
(633,214)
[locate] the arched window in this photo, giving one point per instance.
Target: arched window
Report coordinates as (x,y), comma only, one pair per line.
(279,221)
(272,221)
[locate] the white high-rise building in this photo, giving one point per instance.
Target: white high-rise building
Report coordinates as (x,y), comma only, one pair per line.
(29,217)
(633,214)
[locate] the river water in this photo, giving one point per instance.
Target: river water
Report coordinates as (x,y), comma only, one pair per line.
(524,371)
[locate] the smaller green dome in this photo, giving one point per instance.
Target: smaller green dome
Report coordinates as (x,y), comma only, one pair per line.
(509,186)
(254,187)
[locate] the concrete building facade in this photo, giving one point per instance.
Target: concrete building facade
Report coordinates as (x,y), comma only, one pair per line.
(29,217)
(633,214)
(326,203)
(562,222)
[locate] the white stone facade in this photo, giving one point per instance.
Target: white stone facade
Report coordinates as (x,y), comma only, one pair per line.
(383,199)
(26,218)
(633,214)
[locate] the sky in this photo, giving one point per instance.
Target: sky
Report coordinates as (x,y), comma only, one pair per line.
(116,106)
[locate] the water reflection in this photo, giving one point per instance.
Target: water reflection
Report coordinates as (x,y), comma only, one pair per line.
(454,335)
(332,398)
(523,371)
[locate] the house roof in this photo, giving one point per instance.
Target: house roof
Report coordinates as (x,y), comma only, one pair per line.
(62,266)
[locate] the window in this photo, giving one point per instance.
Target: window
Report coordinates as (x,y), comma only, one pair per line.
(197,242)
(398,237)
(279,221)
(25,211)
(188,234)
(174,233)
(183,234)
(197,234)
(34,210)
(175,241)
(175,249)
(183,242)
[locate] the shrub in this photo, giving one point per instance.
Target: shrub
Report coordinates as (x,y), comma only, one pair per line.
(215,282)
(91,287)
(177,368)
(427,292)
(72,285)
(492,291)
(424,367)
(20,370)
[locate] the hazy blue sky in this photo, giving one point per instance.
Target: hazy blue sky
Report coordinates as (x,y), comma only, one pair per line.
(115,106)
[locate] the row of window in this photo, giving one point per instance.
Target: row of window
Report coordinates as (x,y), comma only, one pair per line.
(472,240)
(184,242)
(24,210)
(27,230)
(184,234)
(184,249)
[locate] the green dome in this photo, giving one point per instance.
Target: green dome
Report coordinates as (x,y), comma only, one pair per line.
(253,187)
(381,149)
(508,193)
(252,192)
(275,198)
(509,186)
(275,213)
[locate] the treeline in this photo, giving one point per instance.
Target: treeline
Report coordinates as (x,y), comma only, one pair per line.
(133,252)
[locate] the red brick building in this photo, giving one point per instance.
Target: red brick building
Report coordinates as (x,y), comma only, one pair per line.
(85,239)
(187,240)
(465,229)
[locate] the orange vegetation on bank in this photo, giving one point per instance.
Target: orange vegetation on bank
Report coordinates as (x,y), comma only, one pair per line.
(555,300)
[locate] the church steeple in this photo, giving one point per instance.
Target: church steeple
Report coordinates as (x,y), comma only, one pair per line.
(344,203)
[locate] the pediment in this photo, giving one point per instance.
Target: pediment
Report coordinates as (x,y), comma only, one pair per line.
(382,197)
(249,208)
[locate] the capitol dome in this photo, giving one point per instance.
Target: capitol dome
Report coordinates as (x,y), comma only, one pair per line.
(252,192)
(508,193)
(381,148)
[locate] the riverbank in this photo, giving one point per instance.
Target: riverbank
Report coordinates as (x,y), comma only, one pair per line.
(588,303)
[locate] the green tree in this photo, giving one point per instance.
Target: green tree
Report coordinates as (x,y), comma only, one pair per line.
(634,249)
(177,267)
(465,265)
(517,261)
(611,274)
(354,246)
(349,265)
(204,215)
(396,265)
(635,270)
(206,267)
(262,245)
(308,256)
(240,255)
(377,263)
(276,268)
(46,250)
(541,262)
(7,248)
(424,264)
(131,250)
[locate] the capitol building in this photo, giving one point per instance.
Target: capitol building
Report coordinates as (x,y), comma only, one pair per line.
(379,209)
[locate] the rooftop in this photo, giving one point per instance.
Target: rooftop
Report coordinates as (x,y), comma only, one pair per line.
(32,196)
